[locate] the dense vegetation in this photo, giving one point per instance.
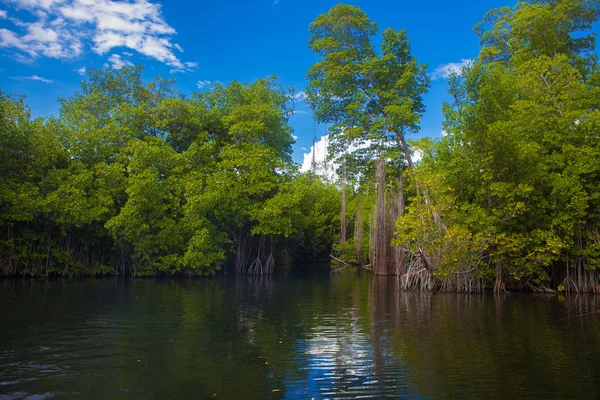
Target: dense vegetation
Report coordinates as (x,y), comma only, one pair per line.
(509,198)
(517,177)
(135,178)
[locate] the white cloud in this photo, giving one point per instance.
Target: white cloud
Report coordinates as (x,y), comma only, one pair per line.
(443,71)
(202,84)
(32,78)
(417,155)
(300,96)
(324,168)
(37,33)
(81,71)
(117,62)
(189,66)
(61,27)
(327,168)
(43,4)
(44,37)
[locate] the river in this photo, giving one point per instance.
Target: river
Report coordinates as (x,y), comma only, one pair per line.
(294,335)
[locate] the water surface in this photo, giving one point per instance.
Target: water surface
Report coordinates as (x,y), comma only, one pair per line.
(290,336)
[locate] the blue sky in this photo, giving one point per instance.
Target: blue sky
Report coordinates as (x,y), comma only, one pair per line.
(45,45)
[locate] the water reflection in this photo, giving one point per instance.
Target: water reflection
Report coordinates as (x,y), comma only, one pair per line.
(344,354)
(345,336)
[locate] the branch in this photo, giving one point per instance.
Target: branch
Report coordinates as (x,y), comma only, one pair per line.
(337,259)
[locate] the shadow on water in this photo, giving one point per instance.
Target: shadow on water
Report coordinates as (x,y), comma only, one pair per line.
(295,335)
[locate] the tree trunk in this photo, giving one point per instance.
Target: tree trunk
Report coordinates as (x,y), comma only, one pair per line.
(344,206)
(358,234)
(499,287)
(270,263)
(380,266)
(240,254)
(372,241)
(398,211)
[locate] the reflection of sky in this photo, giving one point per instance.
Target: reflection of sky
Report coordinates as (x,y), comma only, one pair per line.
(339,359)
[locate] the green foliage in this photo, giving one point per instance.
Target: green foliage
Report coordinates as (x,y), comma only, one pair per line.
(516,178)
(369,97)
(540,28)
(133,178)
(136,178)
(316,218)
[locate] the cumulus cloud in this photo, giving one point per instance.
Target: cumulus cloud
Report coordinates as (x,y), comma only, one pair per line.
(81,71)
(417,155)
(326,168)
(2,14)
(117,62)
(62,28)
(32,78)
(443,71)
(202,84)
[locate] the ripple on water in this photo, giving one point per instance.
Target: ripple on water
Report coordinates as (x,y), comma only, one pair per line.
(332,337)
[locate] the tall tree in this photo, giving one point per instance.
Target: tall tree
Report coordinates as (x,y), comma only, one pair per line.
(372,99)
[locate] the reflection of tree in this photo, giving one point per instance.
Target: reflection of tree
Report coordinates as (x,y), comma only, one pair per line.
(343,336)
(474,346)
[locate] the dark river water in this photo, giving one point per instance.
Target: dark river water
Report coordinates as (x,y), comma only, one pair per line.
(290,336)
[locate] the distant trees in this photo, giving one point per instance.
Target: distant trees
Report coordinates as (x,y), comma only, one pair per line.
(134,178)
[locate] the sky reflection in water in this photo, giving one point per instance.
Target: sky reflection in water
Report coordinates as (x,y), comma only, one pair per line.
(290,336)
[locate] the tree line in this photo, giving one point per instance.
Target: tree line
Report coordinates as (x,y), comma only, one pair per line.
(136,178)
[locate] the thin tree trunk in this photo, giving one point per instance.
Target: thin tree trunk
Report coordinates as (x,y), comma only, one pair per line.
(381,244)
(372,225)
(398,252)
(270,263)
(240,264)
(344,206)
(358,234)
(499,287)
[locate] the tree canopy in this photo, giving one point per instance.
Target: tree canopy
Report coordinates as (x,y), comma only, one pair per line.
(135,178)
